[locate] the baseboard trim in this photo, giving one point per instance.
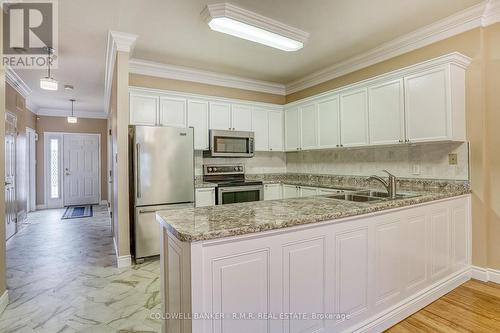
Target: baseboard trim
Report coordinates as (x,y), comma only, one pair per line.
(382,321)
(122,261)
(42,206)
(485,274)
(4,300)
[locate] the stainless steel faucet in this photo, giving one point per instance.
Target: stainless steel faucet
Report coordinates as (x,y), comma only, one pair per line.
(389,185)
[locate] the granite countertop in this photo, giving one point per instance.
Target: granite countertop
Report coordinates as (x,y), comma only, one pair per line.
(205,223)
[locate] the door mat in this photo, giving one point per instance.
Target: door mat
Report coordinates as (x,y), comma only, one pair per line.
(75,212)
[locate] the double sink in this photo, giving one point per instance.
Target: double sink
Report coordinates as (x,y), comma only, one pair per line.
(369,196)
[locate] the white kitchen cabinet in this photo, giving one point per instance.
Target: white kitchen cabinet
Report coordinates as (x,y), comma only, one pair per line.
(354,118)
(143,109)
(292,125)
(241,117)
(306,191)
(291,191)
(260,127)
(386,112)
(435,105)
(276,130)
(205,197)
(197,117)
(326,191)
(272,192)
(308,126)
(172,112)
(329,122)
(220,116)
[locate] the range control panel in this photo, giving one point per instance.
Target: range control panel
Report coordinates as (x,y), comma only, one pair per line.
(235,169)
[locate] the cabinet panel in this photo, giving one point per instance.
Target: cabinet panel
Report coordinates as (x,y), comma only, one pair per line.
(173,112)
(143,109)
(308,127)
(304,293)
(416,251)
(272,192)
(248,274)
(198,118)
(205,197)
(290,191)
(260,127)
(292,140)
(386,112)
(440,244)
(460,234)
(351,271)
(329,123)
(276,130)
(308,191)
(427,106)
(354,118)
(241,117)
(220,116)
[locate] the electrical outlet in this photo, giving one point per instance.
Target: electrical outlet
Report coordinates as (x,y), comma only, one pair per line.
(452,159)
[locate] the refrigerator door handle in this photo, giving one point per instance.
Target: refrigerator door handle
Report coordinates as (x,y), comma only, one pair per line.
(137,169)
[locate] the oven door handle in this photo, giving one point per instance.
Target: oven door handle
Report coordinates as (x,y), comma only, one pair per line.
(240,188)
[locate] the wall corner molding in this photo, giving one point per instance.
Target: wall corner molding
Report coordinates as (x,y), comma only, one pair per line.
(4,301)
(117,42)
(122,261)
(16,82)
(149,68)
(485,274)
(480,15)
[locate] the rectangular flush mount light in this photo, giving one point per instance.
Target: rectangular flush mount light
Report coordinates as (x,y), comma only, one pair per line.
(239,22)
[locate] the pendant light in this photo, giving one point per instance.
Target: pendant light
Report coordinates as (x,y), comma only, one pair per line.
(72,119)
(48,82)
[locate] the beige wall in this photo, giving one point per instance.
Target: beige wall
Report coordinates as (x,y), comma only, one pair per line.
(60,124)
(483,117)
(203,89)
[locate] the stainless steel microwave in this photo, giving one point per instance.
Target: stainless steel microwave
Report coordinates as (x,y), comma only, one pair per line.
(231,143)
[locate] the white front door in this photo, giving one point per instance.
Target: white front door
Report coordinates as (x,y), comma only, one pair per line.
(81,169)
(10,175)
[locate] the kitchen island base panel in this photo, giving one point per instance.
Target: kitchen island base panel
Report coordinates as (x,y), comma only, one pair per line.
(364,273)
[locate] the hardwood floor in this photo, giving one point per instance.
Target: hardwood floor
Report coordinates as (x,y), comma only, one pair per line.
(472,307)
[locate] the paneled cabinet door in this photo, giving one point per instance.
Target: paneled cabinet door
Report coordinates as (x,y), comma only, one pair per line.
(308,191)
(260,127)
(220,116)
(427,106)
(275,130)
(354,118)
(198,118)
(143,109)
(241,117)
(272,192)
(291,191)
(308,126)
(173,112)
(205,197)
(329,123)
(386,112)
(292,139)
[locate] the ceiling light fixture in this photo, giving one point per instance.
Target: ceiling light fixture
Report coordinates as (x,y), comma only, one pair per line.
(72,119)
(48,82)
(68,87)
(242,23)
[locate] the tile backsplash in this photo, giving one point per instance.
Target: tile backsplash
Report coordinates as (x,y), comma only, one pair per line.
(409,161)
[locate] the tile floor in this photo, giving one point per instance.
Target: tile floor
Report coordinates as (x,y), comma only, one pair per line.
(61,277)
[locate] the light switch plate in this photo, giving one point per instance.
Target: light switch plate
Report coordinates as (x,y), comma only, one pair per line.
(453,159)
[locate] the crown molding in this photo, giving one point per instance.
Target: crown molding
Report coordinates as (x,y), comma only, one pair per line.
(117,42)
(16,82)
(52,112)
(483,14)
(149,68)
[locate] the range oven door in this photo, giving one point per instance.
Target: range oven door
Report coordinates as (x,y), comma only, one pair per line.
(231,143)
(235,194)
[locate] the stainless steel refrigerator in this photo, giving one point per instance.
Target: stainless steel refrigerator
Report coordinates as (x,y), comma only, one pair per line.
(162,177)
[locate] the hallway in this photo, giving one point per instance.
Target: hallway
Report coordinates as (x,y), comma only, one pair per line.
(61,277)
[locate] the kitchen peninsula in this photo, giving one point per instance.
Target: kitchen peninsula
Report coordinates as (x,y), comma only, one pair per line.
(315,264)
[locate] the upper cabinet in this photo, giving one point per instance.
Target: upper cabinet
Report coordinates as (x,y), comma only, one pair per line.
(276,130)
(260,127)
(354,118)
(198,119)
(143,109)
(292,125)
(386,112)
(308,126)
(173,112)
(220,116)
(241,117)
(329,122)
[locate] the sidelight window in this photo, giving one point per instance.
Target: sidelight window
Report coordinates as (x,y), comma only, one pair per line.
(54,168)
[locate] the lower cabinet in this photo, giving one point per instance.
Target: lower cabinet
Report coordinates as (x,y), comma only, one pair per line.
(205,197)
(272,192)
(291,191)
(308,191)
